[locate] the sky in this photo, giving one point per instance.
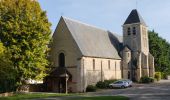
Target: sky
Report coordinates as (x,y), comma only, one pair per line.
(111,14)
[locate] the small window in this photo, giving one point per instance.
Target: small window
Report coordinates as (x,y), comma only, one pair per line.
(134,30)
(128,74)
(61,60)
(108,64)
(93,64)
(128,54)
(128,31)
(115,65)
(101,64)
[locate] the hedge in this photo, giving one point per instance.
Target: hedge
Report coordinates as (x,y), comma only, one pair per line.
(146,79)
(104,84)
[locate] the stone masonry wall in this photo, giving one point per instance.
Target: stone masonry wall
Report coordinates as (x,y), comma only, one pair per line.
(100,69)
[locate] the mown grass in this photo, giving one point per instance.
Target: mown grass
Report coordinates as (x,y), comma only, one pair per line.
(74,96)
(33,96)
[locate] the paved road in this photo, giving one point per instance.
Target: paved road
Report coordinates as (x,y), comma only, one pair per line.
(155,91)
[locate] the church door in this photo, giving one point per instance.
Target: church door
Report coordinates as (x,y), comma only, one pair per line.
(62,85)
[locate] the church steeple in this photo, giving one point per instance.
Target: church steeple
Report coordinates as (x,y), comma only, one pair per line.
(137,61)
(135,33)
(134,17)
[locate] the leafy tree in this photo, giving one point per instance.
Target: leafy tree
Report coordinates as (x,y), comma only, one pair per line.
(25,32)
(5,64)
(7,71)
(160,49)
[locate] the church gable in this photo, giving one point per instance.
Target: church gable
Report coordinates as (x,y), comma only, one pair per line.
(63,42)
(92,41)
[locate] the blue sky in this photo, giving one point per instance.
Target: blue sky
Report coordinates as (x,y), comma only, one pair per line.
(110,14)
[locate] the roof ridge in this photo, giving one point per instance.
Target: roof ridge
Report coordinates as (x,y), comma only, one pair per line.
(80,22)
(90,40)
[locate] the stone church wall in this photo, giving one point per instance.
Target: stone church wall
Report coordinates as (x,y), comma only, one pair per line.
(64,43)
(99,69)
(151,66)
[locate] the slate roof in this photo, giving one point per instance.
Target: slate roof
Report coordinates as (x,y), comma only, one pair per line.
(134,17)
(93,41)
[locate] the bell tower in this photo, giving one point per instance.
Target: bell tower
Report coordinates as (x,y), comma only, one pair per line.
(135,33)
(135,37)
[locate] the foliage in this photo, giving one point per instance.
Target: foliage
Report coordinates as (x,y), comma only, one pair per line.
(91,88)
(105,84)
(5,64)
(158,76)
(146,79)
(7,71)
(25,32)
(163,75)
(160,49)
(101,85)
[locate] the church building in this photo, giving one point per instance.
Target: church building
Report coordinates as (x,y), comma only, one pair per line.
(82,54)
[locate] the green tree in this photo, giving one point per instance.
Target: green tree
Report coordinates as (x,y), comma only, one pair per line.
(5,64)
(7,71)
(25,32)
(160,49)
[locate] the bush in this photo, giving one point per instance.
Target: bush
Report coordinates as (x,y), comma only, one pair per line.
(151,79)
(158,76)
(146,79)
(101,85)
(91,88)
(105,84)
(163,75)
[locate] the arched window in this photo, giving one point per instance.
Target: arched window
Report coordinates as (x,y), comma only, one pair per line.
(61,60)
(93,64)
(134,30)
(108,64)
(128,74)
(128,54)
(115,65)
(128,31)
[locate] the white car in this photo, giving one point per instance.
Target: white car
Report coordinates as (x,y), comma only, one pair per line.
(128,81)
(119,84)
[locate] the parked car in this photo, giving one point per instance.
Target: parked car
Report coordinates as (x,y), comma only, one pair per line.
(119,84)
(128,81)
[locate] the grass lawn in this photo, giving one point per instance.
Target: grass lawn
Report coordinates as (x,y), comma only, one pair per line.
(45,95)
(32,96)
(101,98)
